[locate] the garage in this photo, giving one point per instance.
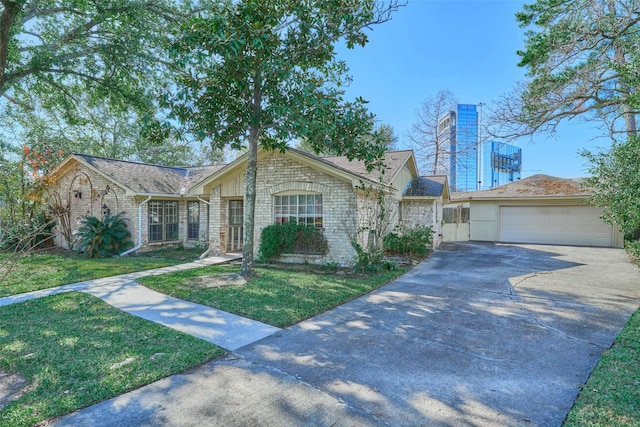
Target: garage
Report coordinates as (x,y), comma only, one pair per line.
(563,225)
(540,209)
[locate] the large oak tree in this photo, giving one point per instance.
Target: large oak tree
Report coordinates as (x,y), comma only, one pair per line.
(581,58)
(66,47)
(261,73)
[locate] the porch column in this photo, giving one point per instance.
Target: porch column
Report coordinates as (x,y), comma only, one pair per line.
(214,222)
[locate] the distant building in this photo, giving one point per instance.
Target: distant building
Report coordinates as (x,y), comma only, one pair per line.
(502,164)
(459,128)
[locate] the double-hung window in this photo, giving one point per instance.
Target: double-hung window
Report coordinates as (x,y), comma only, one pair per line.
(301,208)
(163,220)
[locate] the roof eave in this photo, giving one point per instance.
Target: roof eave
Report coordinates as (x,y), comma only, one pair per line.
(527,198)
(418,198)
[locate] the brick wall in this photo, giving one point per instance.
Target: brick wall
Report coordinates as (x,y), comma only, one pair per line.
(279,174)
(87,194)
(427,213)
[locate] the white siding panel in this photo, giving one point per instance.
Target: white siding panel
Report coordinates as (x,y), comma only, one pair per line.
(564,225)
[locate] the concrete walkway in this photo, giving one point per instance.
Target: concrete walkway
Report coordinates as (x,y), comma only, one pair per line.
(225,330)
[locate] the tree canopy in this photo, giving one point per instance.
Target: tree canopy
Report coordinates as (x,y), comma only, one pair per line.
(261,73)
(582,62)
(65,47)
(81,76)
(616,176)
(384,132)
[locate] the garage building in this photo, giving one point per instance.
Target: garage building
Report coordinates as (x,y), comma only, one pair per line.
(540,209)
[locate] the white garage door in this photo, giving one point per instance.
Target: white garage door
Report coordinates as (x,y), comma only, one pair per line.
(562,225)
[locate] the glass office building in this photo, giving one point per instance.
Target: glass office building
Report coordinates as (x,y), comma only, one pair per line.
(502,164)
(459,127)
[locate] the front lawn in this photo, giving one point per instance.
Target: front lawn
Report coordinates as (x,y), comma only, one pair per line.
(72,350)
(611,396)
(279,297)
(36,271)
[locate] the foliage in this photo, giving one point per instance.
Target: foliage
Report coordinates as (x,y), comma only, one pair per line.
(432,146)
(611,395)
(26,235)
(279,297)
(616,178)
(366,260)
(78,76)
(73,350)
(291,238)
(103,238)
(582,61)
(409,241)
(105,50)
(633,247)
(384,132)
(256,74)
(375,210)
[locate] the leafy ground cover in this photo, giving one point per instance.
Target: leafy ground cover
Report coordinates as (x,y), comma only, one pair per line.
(279,297)
(611,396)
(42,270)
(73,350)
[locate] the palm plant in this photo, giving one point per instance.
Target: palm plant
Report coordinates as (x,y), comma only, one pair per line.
(103,238)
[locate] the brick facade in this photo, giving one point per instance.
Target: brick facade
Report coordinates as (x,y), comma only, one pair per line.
(279,174)
(349,209)
(88,193)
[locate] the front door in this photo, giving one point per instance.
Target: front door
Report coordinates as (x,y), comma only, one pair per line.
(236,219)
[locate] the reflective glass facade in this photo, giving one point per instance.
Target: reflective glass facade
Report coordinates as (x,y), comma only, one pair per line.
(460,127)
(502,164)
(466,173)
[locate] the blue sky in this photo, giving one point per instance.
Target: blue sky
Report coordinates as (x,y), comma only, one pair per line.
(468,47)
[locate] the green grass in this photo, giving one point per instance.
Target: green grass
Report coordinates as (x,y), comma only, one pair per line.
(277,297)
(74,350)
(41,270)
(611,396)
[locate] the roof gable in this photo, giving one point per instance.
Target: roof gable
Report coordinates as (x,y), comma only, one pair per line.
(354,171)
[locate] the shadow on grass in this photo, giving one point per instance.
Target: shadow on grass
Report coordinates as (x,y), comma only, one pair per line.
(74,350)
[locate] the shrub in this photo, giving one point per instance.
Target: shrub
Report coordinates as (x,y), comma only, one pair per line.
(290,237)
(409,241)
(366,261)
(633,247)
(103,238)
(26,235)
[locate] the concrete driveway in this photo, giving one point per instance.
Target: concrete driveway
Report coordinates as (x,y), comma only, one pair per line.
(478,334)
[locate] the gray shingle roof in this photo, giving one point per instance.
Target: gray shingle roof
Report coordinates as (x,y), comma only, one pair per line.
(535,186)
(145,178)
(426,186)
(393,160)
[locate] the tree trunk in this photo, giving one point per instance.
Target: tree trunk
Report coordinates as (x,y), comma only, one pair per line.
(620,59)
(7,17)
(250,206)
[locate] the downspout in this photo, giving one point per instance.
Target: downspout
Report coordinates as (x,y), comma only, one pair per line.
(139,228)
(205,253)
